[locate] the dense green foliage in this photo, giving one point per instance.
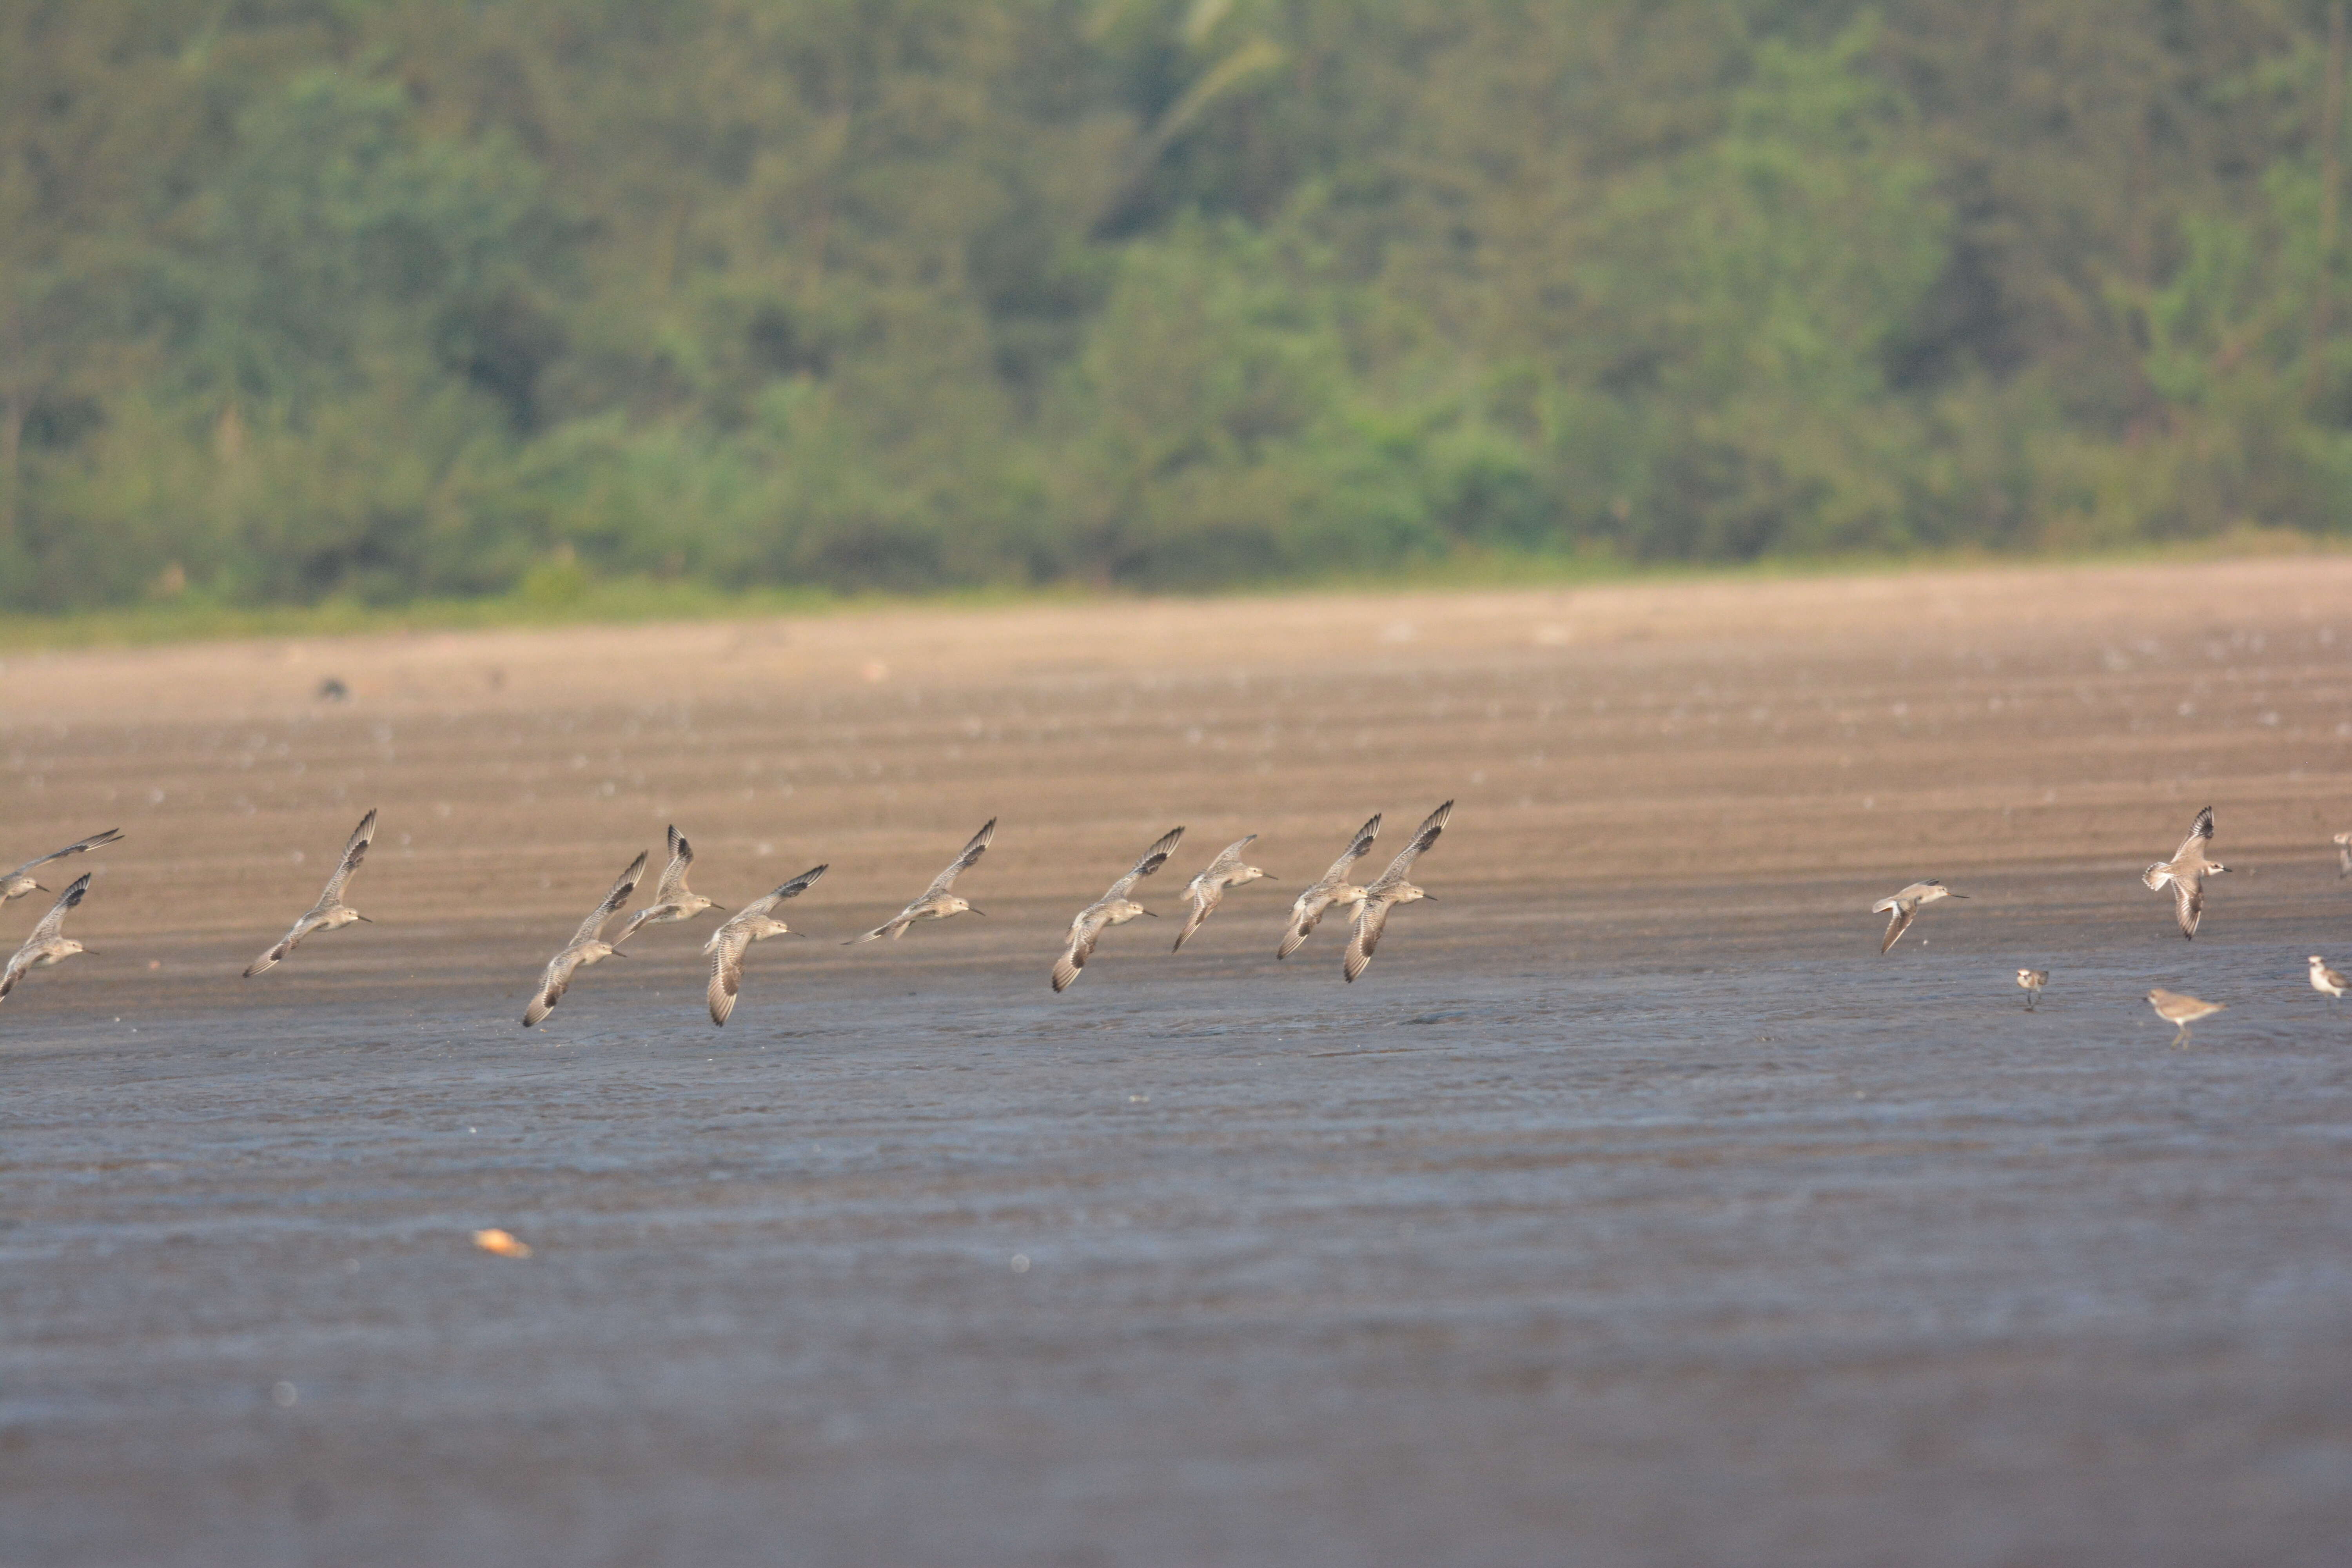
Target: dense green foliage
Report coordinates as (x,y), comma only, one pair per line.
(373,298)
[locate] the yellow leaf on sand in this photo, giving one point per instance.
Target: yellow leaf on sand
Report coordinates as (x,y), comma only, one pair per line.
(499,1242)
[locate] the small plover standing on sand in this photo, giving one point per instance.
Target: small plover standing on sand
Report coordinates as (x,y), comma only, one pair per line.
(329,913)
(673,899)
(1205,891)
(749,924)
(1113,909)
(937,903)
(2326,981)
(1331,888)
(1392,890)
(584,948)
(1901,909)
(2186,873)
(49,943)
(19,882)
(2032,980)
(2179,1008)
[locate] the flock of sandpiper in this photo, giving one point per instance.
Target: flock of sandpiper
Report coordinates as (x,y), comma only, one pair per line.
(1368,907)
(2184,874)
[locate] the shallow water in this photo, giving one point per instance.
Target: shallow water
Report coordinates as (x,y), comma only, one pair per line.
(1494,1256)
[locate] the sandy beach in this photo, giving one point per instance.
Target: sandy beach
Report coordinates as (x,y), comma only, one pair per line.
(1631,1209)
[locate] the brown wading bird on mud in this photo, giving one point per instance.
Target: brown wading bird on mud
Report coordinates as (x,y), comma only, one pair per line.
(19,882)
(1113,909)
(1205,891)
(2180,1009)
(750,924)
(1392,890)
(2186,873)
(1901,909)
(937,903)
(587,946)
(329,913)
(49,943)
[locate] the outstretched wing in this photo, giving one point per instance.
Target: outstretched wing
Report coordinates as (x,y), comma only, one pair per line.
(1228,860)
(95,841)
(611,906)
(1206,895)
(1372,919)
(354,852)
(1084,934)
(284,945)
(673,877)
(963,862)
(2199,832)
(55,920)
(2187,902)
(1153,858)
(1899,920)
(1358,848)
(727,969)
(1422,837)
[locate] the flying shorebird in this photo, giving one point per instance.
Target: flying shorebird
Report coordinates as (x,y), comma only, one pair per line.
(49,943)
(749,924)
(2344,854)
(329,913)
(2179,1008)
(1332,888)
(2187,871)
(1113,909)
(586,948)
(1392,890)
(2324,980)
(1205,891)
(19,882)
(673,899)
(937,903)
(1901,909)
(2032,980)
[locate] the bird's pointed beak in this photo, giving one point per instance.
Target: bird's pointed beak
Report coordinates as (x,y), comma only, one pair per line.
(970,910)
(616,953)
(40,888)
(1431,897)
(1148,913)
(356,915)
(89,952)
(795,933)
(1956,895)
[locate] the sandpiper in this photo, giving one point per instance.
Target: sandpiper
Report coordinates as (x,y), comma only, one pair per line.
(1331,888)
(1901,909)
(937,903)
(585,947)
(2343,855)
(2032,980)
(18,883)
(749,924)
(329,913)
(673,899)
(49,943)
(2179,1008)
(1392,890)
(2324,980)
(1113,909)
(2186,872)
(1205,891)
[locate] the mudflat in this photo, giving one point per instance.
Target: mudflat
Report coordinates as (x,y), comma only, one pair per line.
(1631,1209)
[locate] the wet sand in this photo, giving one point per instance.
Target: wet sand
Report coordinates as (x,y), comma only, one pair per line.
(1631,1209)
